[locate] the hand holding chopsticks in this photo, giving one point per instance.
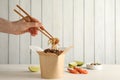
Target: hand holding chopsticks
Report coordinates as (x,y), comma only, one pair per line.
(41,28)
(53,41)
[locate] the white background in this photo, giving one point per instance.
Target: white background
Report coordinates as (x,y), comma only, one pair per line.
(92,26)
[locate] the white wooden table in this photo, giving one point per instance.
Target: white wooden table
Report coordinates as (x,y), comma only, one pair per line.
(21,72)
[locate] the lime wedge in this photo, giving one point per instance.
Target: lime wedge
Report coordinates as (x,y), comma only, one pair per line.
(79,63)
(34,68)
(72,64)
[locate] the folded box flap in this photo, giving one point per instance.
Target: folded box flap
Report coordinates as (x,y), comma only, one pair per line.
(67,49)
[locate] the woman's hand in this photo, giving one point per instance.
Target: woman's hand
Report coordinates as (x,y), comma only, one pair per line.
(20,26)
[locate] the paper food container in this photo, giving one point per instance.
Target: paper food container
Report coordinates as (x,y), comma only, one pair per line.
(52,65)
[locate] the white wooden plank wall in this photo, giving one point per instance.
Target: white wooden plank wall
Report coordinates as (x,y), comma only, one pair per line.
(68,27)
(99,31)
(78,29)
(117,31)
(110,31)
(14,45)
(4,37)
(92,26)
(89,27)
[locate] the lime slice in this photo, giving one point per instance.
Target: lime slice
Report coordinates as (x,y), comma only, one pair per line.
(79,63)
(34,68)
(72,64)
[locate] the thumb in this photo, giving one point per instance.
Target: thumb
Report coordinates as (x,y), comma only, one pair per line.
(32,24)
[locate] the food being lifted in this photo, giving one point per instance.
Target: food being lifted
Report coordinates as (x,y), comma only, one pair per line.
(54,42)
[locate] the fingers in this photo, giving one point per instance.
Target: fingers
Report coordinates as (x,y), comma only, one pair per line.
(33,31)
(32,27)
(33,24)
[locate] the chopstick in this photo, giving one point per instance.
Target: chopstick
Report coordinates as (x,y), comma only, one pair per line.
(20,15)
(23,11)
(40,29)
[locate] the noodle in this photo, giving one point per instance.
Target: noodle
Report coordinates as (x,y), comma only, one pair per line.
(54,42)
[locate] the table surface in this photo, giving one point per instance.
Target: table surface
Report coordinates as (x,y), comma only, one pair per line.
(21,72)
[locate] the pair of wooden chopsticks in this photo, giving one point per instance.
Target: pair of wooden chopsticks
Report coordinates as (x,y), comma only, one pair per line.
(41,29)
